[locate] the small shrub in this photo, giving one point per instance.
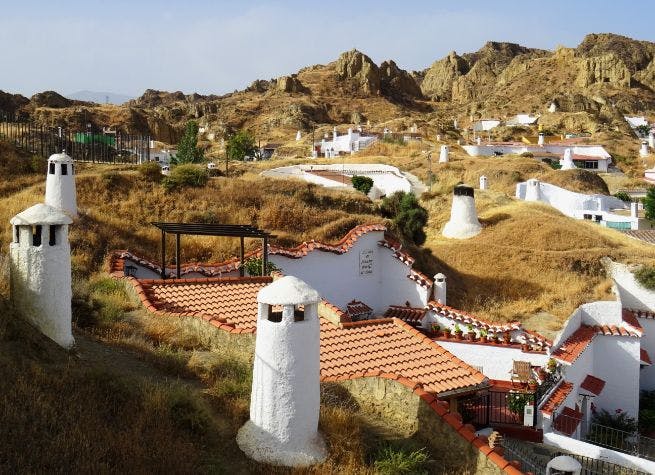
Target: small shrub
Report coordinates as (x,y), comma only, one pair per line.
(390,139)
(645,275)
(527,155)
(186,176)
(622,195)
(362,183)
(649,203)
(151,171)
(408,215)
(38,164)
(516,402)
(112,179)
(254,265)
(392,461)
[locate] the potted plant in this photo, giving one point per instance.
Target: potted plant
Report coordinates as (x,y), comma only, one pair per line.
(532,384)
(435,328)
(446,332)
(552,365)
(458,332)
(507,337)
(484,334)
(541,373)
(470,334)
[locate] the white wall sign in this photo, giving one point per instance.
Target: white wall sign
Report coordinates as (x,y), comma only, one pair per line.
(366,262)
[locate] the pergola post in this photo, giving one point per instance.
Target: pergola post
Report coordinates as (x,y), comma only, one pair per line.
(265,256)
(163,254)
(177,256)
(241,269)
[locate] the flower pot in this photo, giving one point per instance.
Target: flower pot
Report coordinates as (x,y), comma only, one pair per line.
(458,335)
(470,336)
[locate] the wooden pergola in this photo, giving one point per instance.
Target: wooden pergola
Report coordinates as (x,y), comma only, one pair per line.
(241,231)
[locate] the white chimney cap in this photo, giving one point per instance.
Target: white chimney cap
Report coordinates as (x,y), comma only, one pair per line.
(40,214)
(60,158)
(439,277)
(288,290)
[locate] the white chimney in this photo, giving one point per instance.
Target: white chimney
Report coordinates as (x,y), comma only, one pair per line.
(532,190)
(455,124)
(484,183)
(40,268)
(634,209)
(443,154)
(438,137)
(567,161)
(285,398)
(60,184)
(541,140)
(643,151)
(459,141)
(334,134)
(439,288)
(552,108)
(463,222)
(298,136)
(478,140)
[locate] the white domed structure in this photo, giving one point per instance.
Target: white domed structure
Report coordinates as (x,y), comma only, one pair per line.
(285,398)
(463,222)
(484,183)
(533,190)
(40,266)
(443,154)
(567,161)
(60,184)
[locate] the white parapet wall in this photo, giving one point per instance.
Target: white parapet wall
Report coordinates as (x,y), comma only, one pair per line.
(386,178)
(599,453)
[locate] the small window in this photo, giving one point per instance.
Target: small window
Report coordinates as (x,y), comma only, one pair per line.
(64,169)
(274,316)
(298,313)
(16,234)
(36,235)
(586,216)
(53,235)
(51,168)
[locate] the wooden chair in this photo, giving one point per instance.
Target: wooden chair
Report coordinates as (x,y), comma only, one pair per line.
(521,372)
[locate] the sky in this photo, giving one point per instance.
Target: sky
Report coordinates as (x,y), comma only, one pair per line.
(214,47)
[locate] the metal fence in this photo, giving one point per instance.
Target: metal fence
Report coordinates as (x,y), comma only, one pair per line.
(592,466)
(87,146)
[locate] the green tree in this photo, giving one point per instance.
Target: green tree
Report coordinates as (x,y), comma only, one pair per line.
(239,146)
(649,203)
(408,216)
(362,183)
(187,149)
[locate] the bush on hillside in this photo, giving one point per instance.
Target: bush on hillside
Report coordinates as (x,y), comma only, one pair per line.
(646,277)
(649,203)
(622,195)
(151,171)
(362,183)
(185,176)
(187,149)
(408,216)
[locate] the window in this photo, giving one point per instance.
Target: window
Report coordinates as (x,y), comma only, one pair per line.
(591,164)
(64,169)
(36,235)
(16,234)
(298,313)
(51,168)
(274,316)
(586,216)
(53,235)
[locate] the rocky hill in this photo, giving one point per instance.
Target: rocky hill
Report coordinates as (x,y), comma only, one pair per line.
(606,76)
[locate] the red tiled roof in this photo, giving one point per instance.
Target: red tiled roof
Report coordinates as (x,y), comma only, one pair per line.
(356,308)
(644,357)
(613,330)
(581,158)
(572,348)
(646,235)
(557,397)
(467,318)
(567,421)
(230,302)
(593,384)
(117,265)
(392,349)
(630,320)
(405,313)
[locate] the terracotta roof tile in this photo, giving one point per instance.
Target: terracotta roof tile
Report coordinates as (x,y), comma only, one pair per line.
(356,308)
(643,235)
(630,320)
(593,384)
(642,313)
(645,357)
(567,421)
(572,348)
(557,398)
(405,313)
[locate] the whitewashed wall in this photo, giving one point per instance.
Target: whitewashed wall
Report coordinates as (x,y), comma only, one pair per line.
(488,149)
(337,276)
(647,374)
(496,361)
(632,293)
(617,363)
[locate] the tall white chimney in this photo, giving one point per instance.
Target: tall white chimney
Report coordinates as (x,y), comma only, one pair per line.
(484,184)
(532,190)
(439,288)
(634,209)
(443,154)
(643,150)
(567,161)
(541,140)
(463,222)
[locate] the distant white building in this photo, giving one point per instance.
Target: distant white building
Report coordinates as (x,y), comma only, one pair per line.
(636,121)
(605,210)
(484,125)
(351,142)
(522,120)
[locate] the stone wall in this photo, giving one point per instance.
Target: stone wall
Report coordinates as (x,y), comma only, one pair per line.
(412,416)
